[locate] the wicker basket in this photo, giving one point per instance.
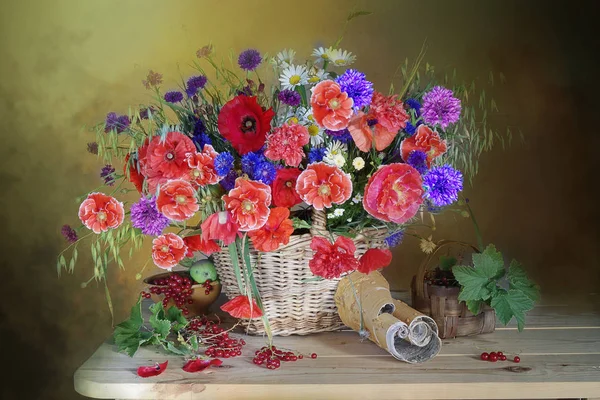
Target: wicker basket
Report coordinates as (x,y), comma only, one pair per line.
(293,306)
(441,303)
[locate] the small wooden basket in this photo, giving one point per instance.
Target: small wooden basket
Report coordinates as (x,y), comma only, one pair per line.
(441,303)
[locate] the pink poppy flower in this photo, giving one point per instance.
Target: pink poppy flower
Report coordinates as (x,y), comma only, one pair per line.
(100,212)
(248,202)
(331,107)
(220,226)
(320,185)
(177,200)
(202,166)
(168,250)
(425,140)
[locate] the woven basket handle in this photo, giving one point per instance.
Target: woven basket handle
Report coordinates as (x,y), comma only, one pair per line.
(319,223)
(420,278)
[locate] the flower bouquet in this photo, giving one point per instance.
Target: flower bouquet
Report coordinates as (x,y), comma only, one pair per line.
(287,184)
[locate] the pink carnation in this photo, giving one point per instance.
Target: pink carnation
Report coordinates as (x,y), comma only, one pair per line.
(285,143)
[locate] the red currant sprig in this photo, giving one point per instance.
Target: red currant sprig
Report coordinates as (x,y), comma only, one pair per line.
(216,339)
(272,357)
(495,356)
(175,287)
(207,285)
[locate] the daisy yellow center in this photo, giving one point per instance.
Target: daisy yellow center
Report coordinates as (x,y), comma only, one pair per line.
(313,130)
(295,79)
(341,61)
(334,104)
(101,216)
(165,249)
(293,120)
(324,190)
(325,56)
(313,79)
(248,206)
(180,199)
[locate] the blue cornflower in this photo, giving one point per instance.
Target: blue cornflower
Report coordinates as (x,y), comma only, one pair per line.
(200,140)
(250,160)
(223,163)
(357,86)
(173,96)
(264,172)
(229,181)
(410,129)
(414,104)
(195,83)
(316,154)
(442,185)
(418,160)
(394,239)
(341,136)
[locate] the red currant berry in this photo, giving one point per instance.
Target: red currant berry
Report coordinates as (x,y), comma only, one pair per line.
(313,355)
(517,359)
(493,357)
(300,356)
(485,356)
(502,357)
(493,353)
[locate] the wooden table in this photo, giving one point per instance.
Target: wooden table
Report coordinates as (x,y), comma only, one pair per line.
(559,350)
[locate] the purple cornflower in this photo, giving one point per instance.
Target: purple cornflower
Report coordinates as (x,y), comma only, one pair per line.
(410,129)
(249,59)
(145,112)
(123,123)
(394,239)
(357,86)
(316,154)
(223,163)
(264,172)
(173,96)
(442,185)
(289,97)
(229,181)
(440,107)
(195,83)
(111,122)
(69,233)
(250,160)
(145,216)
(108,174)
(418,160)
(341,136)
(92,147)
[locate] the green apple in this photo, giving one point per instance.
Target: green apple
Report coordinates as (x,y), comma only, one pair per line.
(203,270)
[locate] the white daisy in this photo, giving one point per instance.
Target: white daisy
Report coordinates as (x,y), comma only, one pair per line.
(357,199)
(330,216)
(341,57)
(339,160)
(358,163)
(338,212)
(284,58)
(316,75)
(316,135)
(322,53)
(292,76)
(334,155)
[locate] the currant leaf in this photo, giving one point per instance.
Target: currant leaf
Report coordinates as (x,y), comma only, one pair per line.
(512,303)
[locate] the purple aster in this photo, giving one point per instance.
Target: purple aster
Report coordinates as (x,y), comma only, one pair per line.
(249,59)
(173,96)
(440,107)
(195,83)
(418,160)
(69,234)
(111,122)
(250,160)
(414,104)
(264,172)
(357,86)
(289,97)
(223,163)
(410,129)
(342,136)
(108,174)
(92,147)
(145,216)
(316,154)
(442,185)
(229,181)
(394,239)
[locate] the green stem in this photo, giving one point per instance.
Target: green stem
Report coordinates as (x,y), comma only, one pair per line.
(236,266)
(476,226)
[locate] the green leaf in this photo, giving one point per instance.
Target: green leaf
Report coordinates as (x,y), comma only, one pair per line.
(447,262)
(176,350)
(157,310)
(512,303)
(176,317)
(127,334)
(300,223)
(474,283)
(160,325)
(490,262)
(474,306)
(194,342)
(518,280)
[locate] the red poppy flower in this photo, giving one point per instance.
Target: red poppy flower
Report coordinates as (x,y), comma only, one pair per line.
(199,364)
(166,158)
(332,260)
(244,123)
(135,176)
(239,307)
(202,166)
(374,259)
(320,185)
(425,140)
(177,200)
(394,193)
(168,250)
(331,107)
(248,202)
(152,370)
(275,232)
(220,226)
(100,212)
(284,188)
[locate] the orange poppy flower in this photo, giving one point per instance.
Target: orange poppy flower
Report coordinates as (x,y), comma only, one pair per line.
(168,250)
(248,202)
(275,232)
(425,140)
(100,212)
(320,185)
(331,107)
(177,200)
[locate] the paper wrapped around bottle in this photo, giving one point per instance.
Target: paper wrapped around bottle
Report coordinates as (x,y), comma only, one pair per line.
(364,303)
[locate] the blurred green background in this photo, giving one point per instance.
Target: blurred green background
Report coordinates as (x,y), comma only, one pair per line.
(65,64)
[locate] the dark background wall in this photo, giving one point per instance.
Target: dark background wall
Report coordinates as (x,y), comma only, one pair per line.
(65,64)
